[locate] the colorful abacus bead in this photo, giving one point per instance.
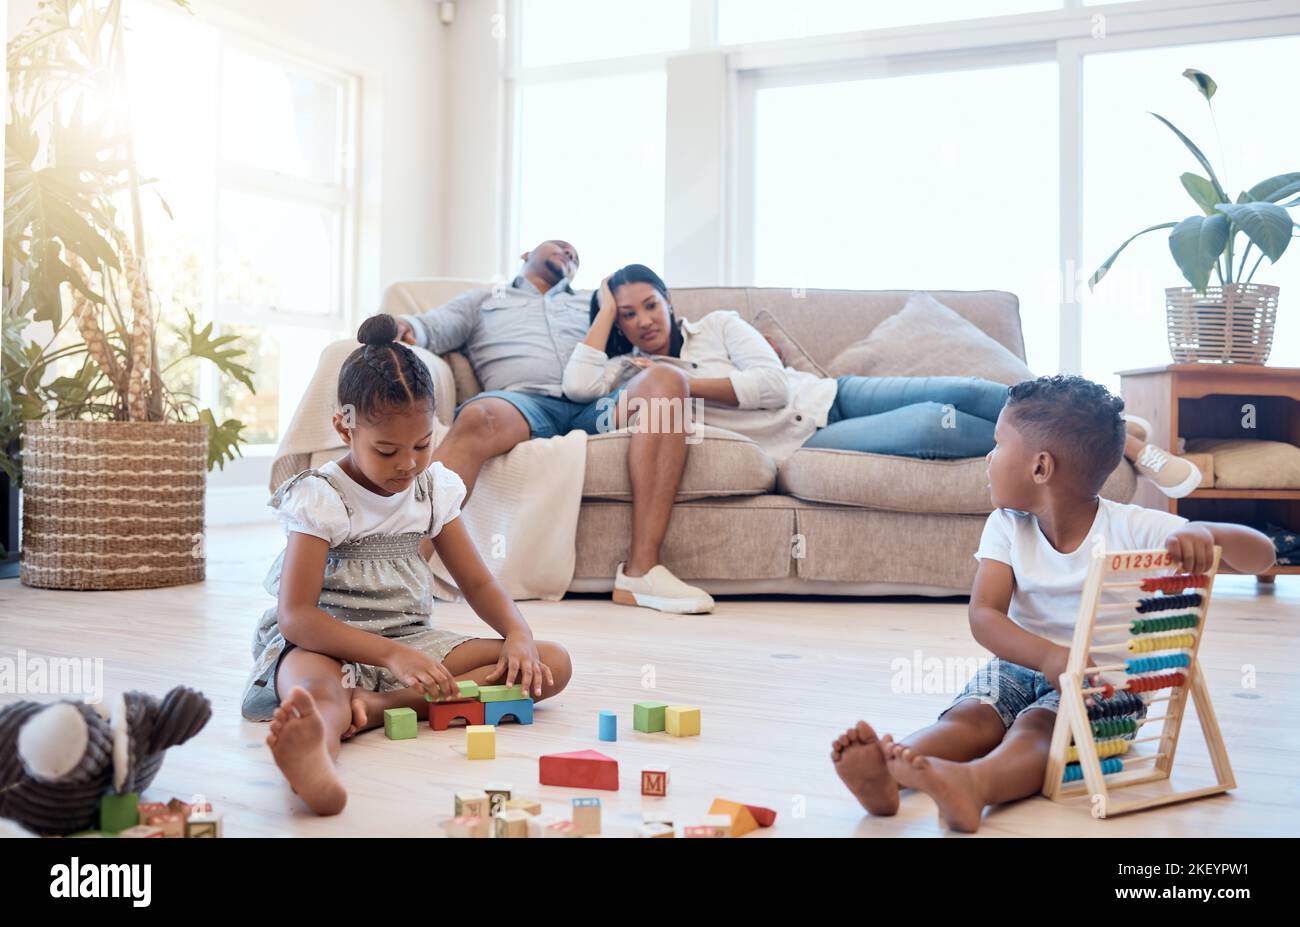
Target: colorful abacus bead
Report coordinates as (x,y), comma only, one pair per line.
(1162,603)
(1152,664)
(1104,748)
(1152,683)
(1123,703)
(1162,642)
(1176,583)
(1164,623)
(1074,772)
(1114,727)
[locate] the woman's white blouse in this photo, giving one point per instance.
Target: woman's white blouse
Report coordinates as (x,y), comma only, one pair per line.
(779,407)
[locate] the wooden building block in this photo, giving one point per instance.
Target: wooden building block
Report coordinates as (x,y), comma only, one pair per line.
(763,817)
(521,709)
(608,727)
(712,825)
(500,693)
(142,830)
(657,817)
(472,803)
(560,829)
(498,793)
(586,816)
(648,717)
(481,742)
(741,820)
(582,769)
(468,825)
(441,714)
(656,830)
(171,822)
(146,808)
(465,689)
(654,781)
(118,812)
(203,824)
(682,720)
(400,723)
(526,805)
(511,823)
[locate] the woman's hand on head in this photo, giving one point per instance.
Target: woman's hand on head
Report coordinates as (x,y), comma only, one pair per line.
(606,296)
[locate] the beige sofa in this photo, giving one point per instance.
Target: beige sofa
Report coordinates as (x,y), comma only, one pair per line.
(826,522)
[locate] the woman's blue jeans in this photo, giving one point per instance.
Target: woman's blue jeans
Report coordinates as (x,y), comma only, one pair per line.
(930,417)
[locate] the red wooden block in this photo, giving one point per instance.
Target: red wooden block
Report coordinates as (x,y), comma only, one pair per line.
(582,769)
(441,714)
(765,817)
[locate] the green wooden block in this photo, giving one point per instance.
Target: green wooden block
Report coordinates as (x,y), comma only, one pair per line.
(468,689)
(500,693)
(400,723)
(648,717)
(118,812)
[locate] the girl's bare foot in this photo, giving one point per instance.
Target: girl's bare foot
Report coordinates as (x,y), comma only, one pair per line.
(297,741)
(367,712)
(860,763)
(951,785)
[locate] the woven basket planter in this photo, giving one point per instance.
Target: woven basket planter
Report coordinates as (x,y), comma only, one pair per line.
(1230,324)
(113,505)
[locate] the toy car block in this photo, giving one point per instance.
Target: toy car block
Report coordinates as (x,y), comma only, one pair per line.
(608,728)
(582,769)
(146,808)
(472,803)
(468,825)
(142,830)
(648,717)
(682,720)
(521,709)
(481,742)
(529,806)
(203,824)
(763,817)
(118,812)
(586,816)
(465,689)
(560,829)
(657,817)
(656,830)
(742,821)
(441,714)
(654,781)
(400,723)
(500,693)
(511,823)
(171,822)
(498,794)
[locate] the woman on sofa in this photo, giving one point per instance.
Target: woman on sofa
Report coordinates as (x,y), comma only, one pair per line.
(724,361)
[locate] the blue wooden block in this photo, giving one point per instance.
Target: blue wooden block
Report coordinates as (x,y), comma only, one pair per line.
(521,709)
(608,725)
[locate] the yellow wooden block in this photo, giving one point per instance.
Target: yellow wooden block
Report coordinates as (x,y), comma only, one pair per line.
(682,720)
(742,821)
(481,742)
(526,805)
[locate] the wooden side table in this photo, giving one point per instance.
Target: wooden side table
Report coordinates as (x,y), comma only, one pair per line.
(1206,401)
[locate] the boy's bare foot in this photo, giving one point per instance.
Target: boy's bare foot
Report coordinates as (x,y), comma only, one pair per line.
(951,785)
(297,741)
(860,763)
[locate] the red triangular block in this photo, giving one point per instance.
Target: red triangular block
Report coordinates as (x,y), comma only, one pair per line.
(581,769)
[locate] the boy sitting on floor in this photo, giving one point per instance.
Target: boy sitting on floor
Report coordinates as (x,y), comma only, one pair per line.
(1057,440)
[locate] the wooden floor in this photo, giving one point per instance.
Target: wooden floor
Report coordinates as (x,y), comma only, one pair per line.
(776,679)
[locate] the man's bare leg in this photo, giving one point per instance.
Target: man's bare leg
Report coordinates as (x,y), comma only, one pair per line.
(484,428)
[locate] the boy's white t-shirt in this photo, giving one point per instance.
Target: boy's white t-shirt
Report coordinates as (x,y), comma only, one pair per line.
(313,507)
(1048,583)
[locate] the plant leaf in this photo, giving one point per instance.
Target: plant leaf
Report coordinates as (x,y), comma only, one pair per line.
(1196,244)
(1105,267)
(1205,162)
(223,439)
(1274,189)
(200,343)
(1268,225)
(1204,82)
(1201,191)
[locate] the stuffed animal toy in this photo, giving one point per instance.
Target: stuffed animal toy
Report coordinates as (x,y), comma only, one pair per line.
(58,759)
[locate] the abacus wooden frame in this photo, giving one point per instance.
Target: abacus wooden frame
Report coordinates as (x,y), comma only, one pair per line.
(1072,718)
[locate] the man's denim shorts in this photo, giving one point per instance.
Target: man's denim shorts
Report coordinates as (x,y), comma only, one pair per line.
(1009,689)
(548,416)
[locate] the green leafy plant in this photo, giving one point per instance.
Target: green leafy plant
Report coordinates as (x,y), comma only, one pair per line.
(1206,244)
(68,258)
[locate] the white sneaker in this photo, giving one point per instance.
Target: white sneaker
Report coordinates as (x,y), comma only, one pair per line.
(1138,427)
(660,589)
(1173,476)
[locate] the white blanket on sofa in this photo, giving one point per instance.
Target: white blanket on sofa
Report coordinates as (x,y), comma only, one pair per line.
(523,514)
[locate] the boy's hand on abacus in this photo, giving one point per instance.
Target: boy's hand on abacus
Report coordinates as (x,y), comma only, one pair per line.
(420,670)
(519,658)
(1192,546)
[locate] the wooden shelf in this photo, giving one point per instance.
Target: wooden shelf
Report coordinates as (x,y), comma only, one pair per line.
(1244,494)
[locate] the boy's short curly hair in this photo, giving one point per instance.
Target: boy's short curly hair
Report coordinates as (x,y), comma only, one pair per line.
(1079,422)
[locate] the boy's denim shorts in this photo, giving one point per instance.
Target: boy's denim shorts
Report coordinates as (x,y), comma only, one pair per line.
(1009,689)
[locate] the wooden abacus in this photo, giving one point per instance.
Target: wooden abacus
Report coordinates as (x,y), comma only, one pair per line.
(1090,744)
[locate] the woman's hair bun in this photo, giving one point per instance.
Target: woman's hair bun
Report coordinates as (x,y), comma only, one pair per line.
(378,329)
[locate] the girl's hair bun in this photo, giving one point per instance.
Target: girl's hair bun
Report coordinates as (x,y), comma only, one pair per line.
(378,329)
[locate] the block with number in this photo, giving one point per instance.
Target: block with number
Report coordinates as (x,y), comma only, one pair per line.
(472,803)
(654,781)
(511,823)
(586,816)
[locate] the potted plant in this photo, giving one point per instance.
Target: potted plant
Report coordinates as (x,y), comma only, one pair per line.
(1232,321)
(112,462)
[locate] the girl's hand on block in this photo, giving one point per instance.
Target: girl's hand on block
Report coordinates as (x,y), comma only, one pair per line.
(422,671)
(519,658)
(1193,547)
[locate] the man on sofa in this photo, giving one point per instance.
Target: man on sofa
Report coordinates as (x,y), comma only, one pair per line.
(518,340)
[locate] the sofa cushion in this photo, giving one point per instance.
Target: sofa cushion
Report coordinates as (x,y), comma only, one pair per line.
(1240,463)
(791,351)
(929,339)
(723,463)
(906,484)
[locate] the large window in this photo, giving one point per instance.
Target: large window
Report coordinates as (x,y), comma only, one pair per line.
(851,189)
(559,31)
(249,223)
(766,20)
